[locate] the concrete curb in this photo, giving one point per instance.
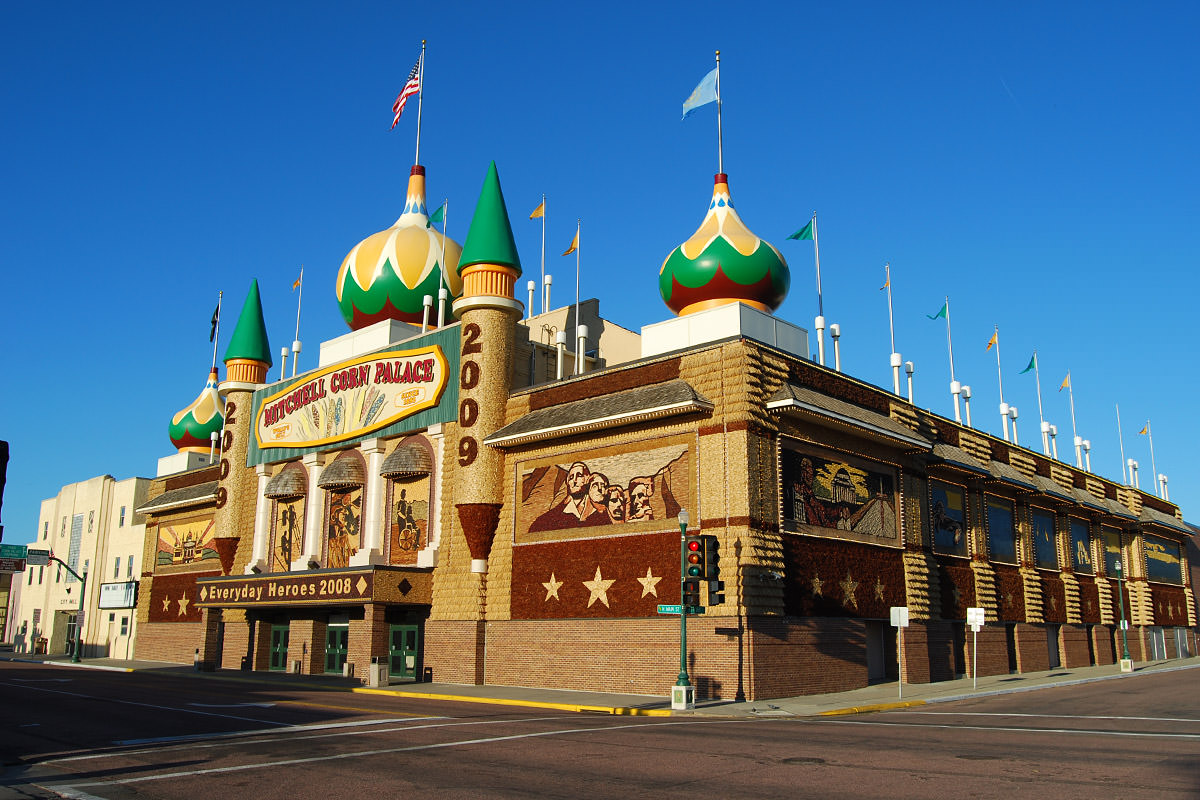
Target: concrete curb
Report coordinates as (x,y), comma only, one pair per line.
(867,709)
(620,711)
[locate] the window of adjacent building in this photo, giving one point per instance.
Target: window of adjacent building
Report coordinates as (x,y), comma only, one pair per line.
(1002,536)
(45,529)
(58,575)
(1081,547)
(948,518)
(124,626)
(76,543)
(129,568)
(91,519)
(1045,551)
(30,581)
(112,617)
(41,574)
(1162,559)
(121,524)
(1112,550)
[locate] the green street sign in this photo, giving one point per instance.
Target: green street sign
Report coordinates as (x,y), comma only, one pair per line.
(12,551)
(675,609)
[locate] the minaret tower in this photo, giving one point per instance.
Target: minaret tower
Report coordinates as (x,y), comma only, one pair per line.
(488,310)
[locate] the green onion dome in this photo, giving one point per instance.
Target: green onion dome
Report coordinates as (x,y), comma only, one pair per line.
(723,262)
(387,274)
(192,428)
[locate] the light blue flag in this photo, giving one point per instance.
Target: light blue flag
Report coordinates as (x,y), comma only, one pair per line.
(704,93)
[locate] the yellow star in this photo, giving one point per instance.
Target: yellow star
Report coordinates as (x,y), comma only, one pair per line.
(849,586)
(879,589)
(183,604)
(166,604)
(649,583)
(552,586)
(816,585)
(598,587)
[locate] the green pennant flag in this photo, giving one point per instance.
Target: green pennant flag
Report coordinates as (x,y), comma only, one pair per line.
(941,314)
(804,233)
(1032,364)
(437,216)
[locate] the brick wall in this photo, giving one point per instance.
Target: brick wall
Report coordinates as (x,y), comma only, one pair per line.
(454,650)
(796,656)
(1032,652)
(1073,645)
(933,651)
(1106,653)
(368,639)
(306,644)
(992,644)
(168,641)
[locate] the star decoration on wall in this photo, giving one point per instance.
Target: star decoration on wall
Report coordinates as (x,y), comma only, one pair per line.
(649,583)
(1008,599)
(816,585)
(878,590)
(552,586)
(849,587)
(598,588)
(166,604)
(183,604)
(1089,606)
(1053,603)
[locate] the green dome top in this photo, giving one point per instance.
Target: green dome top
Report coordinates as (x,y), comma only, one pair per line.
(490,238)
(250,336)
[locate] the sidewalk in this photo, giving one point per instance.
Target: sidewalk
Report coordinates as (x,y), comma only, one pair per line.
(879,697)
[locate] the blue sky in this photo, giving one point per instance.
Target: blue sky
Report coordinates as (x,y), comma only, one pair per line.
(1035,162)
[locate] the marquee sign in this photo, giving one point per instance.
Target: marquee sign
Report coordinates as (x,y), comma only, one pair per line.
(352,398)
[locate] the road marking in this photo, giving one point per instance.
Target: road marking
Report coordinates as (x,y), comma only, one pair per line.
(350,708)
(365,753)
(42,680)
(1079,731)
(1049,716)
(146,705)
(200,737)
(233,705)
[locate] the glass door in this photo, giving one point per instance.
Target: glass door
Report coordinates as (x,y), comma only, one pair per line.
(337,640)
(279,647)
(404,651)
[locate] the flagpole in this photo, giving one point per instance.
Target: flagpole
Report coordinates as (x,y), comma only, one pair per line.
(544,303)
(1153,466)
(892,330)
(1121,441)
(1037,375)
(442,291)
(296,341)
(1000,380)
(955,388)
(217,331)
(720,145)
(820,321)
(1074,433)
(578,340)
(420,95)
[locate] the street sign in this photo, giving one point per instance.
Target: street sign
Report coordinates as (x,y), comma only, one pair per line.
(975,618)
(37,558)
(668,609)
(899,616)
(13,551)
(12,564)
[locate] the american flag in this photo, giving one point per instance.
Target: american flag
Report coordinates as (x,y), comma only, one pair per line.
(411,87)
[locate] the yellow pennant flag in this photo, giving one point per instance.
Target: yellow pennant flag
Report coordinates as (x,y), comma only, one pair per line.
(1144,430)
(886,283)
(1066,382)
(540,211)
(296,284)
(574,244)
(992,341)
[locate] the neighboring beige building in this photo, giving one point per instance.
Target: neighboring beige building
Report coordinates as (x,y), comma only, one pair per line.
(91,526)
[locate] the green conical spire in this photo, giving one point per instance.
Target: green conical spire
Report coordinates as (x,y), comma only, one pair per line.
(250,336)
(490,238)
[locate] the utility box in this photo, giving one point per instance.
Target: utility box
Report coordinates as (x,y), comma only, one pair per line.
(348,670)
(379,674)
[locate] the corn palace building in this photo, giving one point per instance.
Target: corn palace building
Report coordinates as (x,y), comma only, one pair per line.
(490,501)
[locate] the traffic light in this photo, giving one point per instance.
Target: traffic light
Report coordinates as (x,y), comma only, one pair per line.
(693,557)
(691,595)
(711,565)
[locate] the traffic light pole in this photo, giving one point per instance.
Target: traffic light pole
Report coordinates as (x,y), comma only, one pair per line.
(683,674)
(75,656)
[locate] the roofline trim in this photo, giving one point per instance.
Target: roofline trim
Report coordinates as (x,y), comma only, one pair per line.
(776,405)
(598,423)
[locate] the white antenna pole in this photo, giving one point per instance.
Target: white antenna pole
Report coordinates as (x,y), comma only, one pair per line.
(420,94)
(955,386)
(217,332)
(1121,441)
(296,341)
(1000,379)
(896,358)
(720,146)
(1074,433)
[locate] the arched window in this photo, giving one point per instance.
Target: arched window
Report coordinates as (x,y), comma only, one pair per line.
(407,469)
(343,482)
(287,490)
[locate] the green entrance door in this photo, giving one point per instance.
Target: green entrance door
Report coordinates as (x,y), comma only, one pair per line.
(279,647)
(404,651)
(337,639)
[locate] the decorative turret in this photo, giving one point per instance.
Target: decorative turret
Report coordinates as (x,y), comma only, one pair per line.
(192,428)
(489,264)
(387,275)
(723,262)
(248,356)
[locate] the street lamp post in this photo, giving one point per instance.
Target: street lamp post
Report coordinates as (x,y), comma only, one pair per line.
(682,696)
(78,654)
(1121,604)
